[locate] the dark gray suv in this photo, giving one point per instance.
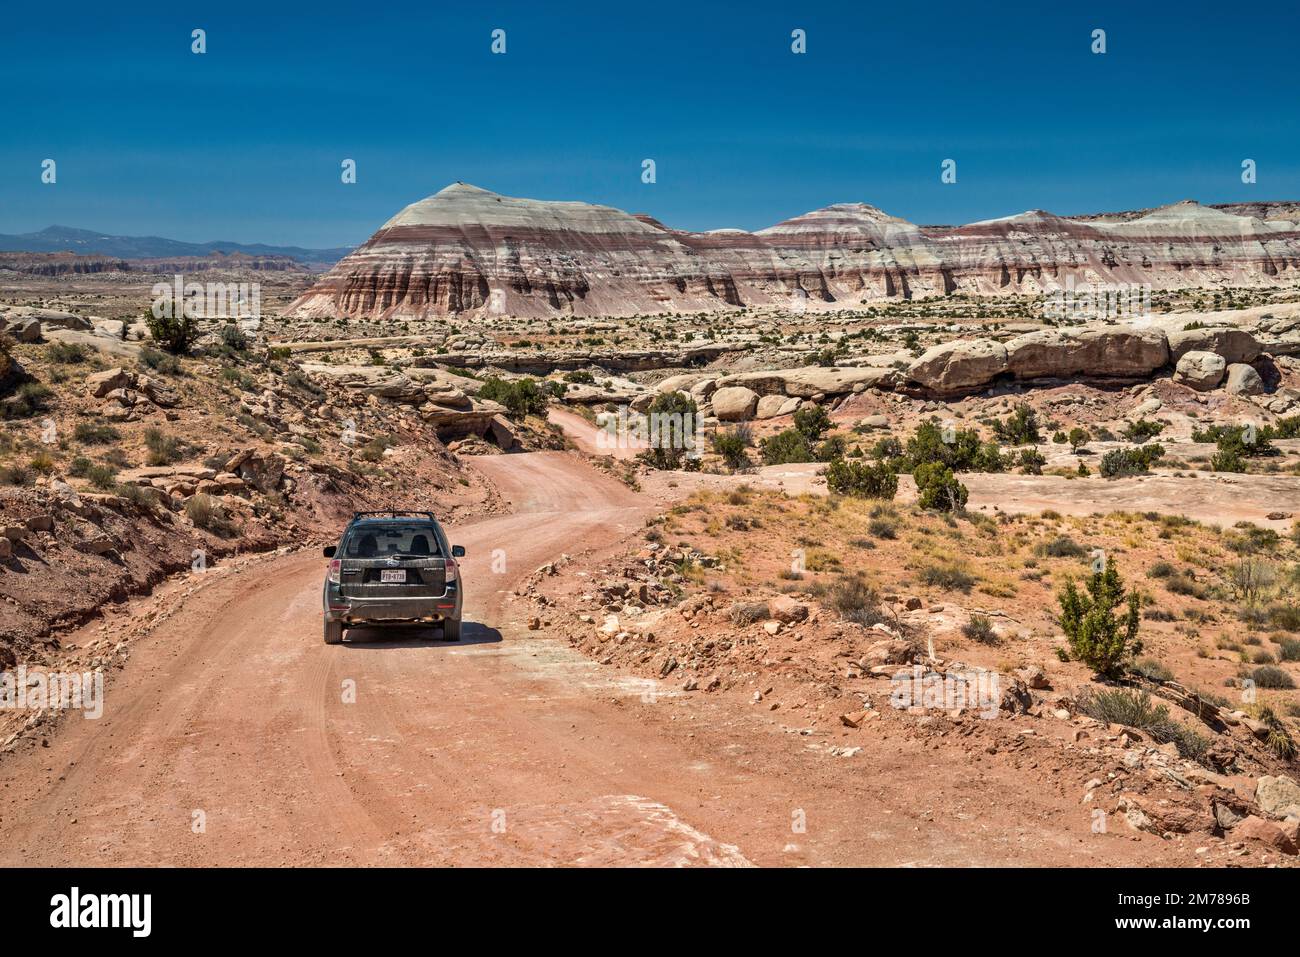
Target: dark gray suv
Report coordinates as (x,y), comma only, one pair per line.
(392,568)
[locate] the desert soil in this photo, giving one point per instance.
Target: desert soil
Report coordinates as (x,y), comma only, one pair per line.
(234,736)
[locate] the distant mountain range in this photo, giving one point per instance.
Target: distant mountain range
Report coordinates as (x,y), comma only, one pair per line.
(469,250)
(87,242)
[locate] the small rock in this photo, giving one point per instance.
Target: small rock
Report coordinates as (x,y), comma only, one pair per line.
(1257,829)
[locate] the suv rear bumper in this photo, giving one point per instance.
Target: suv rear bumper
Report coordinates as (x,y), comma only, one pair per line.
(412,610)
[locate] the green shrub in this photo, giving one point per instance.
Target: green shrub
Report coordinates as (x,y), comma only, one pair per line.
(67,352)
(102,477)
(785,448)
(1150,668)
(520,397)
(1119,463)
(1134,709)
(732,447)
(233,337)
(1141,430)
(1063,546)
(966,452)
(134,494)
(1244,441)
(1031,461)
(831,450)
(861,480)
(949,577)
(812,421)
(16,475)
(1271,676)
(94,433)
(1227,460)
(1278,739)
(160,361)
(677,418)
(1130,707)
(854,600)
(1078,438)
(176,334)
(1019,428)
(206,512)
(980,629)
(938,490)
(883,527)
(1096,635)
(31,398)
(1284,617)
(163,449)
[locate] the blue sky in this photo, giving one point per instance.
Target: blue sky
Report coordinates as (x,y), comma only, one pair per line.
(244,142)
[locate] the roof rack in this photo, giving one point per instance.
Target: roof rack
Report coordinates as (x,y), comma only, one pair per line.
(395,512)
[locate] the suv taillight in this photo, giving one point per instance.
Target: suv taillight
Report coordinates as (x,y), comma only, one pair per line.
(453,572)
(336,572)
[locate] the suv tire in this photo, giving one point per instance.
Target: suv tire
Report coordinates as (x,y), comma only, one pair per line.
(333,632)
(451,629)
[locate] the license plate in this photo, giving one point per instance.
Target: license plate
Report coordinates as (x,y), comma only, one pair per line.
(398,576)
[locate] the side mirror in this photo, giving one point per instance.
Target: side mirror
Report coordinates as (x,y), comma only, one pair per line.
(458,551)
(330,550)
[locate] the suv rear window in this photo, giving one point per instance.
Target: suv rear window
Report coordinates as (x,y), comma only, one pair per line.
(413,540)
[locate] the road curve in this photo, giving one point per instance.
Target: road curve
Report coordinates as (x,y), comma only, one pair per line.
(234,736)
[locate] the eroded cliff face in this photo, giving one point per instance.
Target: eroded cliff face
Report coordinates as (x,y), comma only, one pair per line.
(467,251)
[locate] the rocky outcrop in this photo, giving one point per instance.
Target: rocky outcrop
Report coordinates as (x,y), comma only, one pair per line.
(544,362)
(811,381)
(1096,351)
(128,388)
(466,250)
(442,399)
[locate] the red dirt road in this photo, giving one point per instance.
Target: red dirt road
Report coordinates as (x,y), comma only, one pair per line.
(507,749)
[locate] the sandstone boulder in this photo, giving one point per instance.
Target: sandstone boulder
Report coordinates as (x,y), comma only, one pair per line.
(1257,829)
(503,433)
(52,318)
(809,381)
(735,404)
(23,330)
(263,471)
(1243,380)
(958,366)
(1234,345)
(1101,351)
(102,383)
(157,392)
(112,328)
(685,381)
(1278,796)
(372,380)
(771,406)
(892,651)
(785,609)
(1201,371)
